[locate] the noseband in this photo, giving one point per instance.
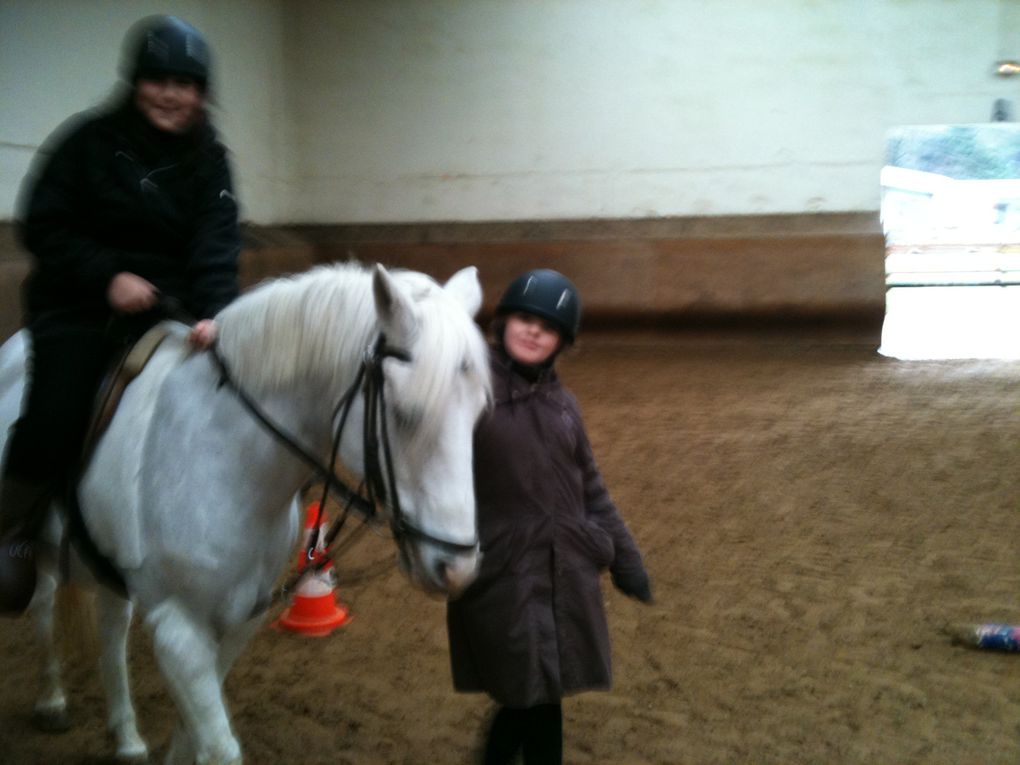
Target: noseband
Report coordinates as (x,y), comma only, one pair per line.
(379,482)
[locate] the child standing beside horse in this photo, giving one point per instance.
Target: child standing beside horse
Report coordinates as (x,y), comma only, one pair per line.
(532,627)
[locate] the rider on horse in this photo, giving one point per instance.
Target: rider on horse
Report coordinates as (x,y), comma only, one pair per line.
(131,205)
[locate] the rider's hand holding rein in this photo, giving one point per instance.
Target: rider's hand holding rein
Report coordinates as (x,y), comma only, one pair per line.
(130,293)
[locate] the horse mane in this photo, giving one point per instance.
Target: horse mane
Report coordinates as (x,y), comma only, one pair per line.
(292,328)
(316,325)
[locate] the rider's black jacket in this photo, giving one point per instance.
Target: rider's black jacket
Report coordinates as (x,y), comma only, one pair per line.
(118,195)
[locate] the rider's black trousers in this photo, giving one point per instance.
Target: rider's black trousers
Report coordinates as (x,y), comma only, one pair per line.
(68,358)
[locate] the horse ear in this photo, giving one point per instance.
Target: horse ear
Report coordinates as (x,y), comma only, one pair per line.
(393,307)
(465,287)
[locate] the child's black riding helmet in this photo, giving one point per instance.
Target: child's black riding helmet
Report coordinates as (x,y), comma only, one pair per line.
(546,293)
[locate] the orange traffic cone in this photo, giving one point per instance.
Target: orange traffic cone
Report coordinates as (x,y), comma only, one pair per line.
(315,610)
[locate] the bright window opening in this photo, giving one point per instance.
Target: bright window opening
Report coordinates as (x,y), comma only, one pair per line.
(951,217)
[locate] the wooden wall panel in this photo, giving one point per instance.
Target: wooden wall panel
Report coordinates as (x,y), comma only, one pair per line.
(655,272)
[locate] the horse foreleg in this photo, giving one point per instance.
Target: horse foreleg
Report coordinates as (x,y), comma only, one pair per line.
(233,643)
(50,712)
(188,655)
(114,622)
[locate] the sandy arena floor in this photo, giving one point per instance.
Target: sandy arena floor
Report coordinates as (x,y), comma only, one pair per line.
(812,514)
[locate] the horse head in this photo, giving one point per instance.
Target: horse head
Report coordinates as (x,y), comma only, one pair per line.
(294,343)
(435,385)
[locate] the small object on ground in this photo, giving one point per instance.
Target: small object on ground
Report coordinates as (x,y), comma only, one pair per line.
(994,637)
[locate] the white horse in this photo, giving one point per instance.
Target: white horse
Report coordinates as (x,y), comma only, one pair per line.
(193,499)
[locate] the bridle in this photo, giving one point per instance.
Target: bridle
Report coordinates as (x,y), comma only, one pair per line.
(379,484)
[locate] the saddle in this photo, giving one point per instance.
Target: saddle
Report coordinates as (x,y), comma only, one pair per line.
(127,368)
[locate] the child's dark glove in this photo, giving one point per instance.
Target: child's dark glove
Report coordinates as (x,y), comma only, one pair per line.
(634,583)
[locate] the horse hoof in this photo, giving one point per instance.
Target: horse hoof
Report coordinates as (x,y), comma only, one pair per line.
(51,720)
(142,758)
(129,747)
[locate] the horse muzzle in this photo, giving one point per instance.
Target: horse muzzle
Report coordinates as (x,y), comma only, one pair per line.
(437,571)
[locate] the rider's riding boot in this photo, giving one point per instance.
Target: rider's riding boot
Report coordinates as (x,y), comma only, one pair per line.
(22,514)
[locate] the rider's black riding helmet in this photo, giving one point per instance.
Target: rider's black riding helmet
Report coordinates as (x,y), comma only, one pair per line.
(158,46)
(546,293)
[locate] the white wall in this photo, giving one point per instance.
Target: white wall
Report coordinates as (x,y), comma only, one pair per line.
(58,57)
(425,110)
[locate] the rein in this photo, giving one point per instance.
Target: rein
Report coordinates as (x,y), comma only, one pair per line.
(380,482)
(328,475)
